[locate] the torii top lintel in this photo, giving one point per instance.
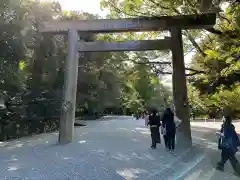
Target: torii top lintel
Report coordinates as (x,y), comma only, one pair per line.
(131,24)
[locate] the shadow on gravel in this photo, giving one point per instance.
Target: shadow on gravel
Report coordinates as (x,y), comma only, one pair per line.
(44,140)
(79,125)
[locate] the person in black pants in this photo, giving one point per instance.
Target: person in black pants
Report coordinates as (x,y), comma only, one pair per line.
(165,140)
(164,133)
(171,140)
(170,128)
(154,122)
(228,143)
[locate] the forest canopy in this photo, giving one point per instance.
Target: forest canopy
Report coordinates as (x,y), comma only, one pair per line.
(214,70)
(32,64)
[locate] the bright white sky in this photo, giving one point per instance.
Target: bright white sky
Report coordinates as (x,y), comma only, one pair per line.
(91,6)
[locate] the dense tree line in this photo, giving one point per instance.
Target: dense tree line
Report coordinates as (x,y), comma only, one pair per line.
(217,87)
(214,71)
(33,65)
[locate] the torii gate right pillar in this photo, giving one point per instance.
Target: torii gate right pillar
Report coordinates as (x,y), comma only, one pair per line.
(180,98)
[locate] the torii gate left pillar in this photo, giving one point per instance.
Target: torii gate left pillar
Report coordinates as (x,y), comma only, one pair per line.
(67,118)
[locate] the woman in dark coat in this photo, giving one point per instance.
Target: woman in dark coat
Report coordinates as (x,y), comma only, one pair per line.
(170,128)
(154,122)
(229,143)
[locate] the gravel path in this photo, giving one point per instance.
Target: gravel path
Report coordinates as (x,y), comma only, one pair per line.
(216,125)
(103,150)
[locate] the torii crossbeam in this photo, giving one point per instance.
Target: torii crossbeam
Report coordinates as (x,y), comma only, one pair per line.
(131,24)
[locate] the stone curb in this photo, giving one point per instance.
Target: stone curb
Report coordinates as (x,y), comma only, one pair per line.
(188,167)
(181,166)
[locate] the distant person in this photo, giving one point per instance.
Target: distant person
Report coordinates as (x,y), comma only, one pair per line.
(228,143)
(169,127)
(146,118)
(137,115)
(154,122)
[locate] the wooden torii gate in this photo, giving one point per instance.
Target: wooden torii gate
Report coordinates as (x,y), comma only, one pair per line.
(174,24)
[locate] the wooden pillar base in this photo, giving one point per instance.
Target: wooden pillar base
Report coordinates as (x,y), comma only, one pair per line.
(183,137)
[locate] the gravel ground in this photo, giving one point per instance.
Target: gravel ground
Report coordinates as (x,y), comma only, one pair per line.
(103,150)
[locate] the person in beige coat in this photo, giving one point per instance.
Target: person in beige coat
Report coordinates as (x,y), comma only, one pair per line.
(146,118)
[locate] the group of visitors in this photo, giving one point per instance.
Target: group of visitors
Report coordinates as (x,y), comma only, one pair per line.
(228,140)
(166,123)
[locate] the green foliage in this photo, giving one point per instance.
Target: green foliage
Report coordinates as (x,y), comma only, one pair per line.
(32,67)
(219,86)
(32,63)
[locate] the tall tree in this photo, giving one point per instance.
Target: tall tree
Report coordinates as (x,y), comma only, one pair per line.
(220,65)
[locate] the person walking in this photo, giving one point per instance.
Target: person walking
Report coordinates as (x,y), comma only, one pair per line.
(228,144)
(154,122)
(146,118)
(163,129)
(170,129)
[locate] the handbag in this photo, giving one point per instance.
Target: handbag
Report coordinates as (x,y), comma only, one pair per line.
(163,130)
(225,142)
(177,121)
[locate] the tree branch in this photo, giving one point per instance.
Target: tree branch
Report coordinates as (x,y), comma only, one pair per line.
(131,15)
(188,35)
(158,71)
(160,63)
(220,33)
(189,51)
(195,44)
(194,72)
(160,5)
(222,17)
(193,6)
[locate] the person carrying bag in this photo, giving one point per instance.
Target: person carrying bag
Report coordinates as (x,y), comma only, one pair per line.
(228,143)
